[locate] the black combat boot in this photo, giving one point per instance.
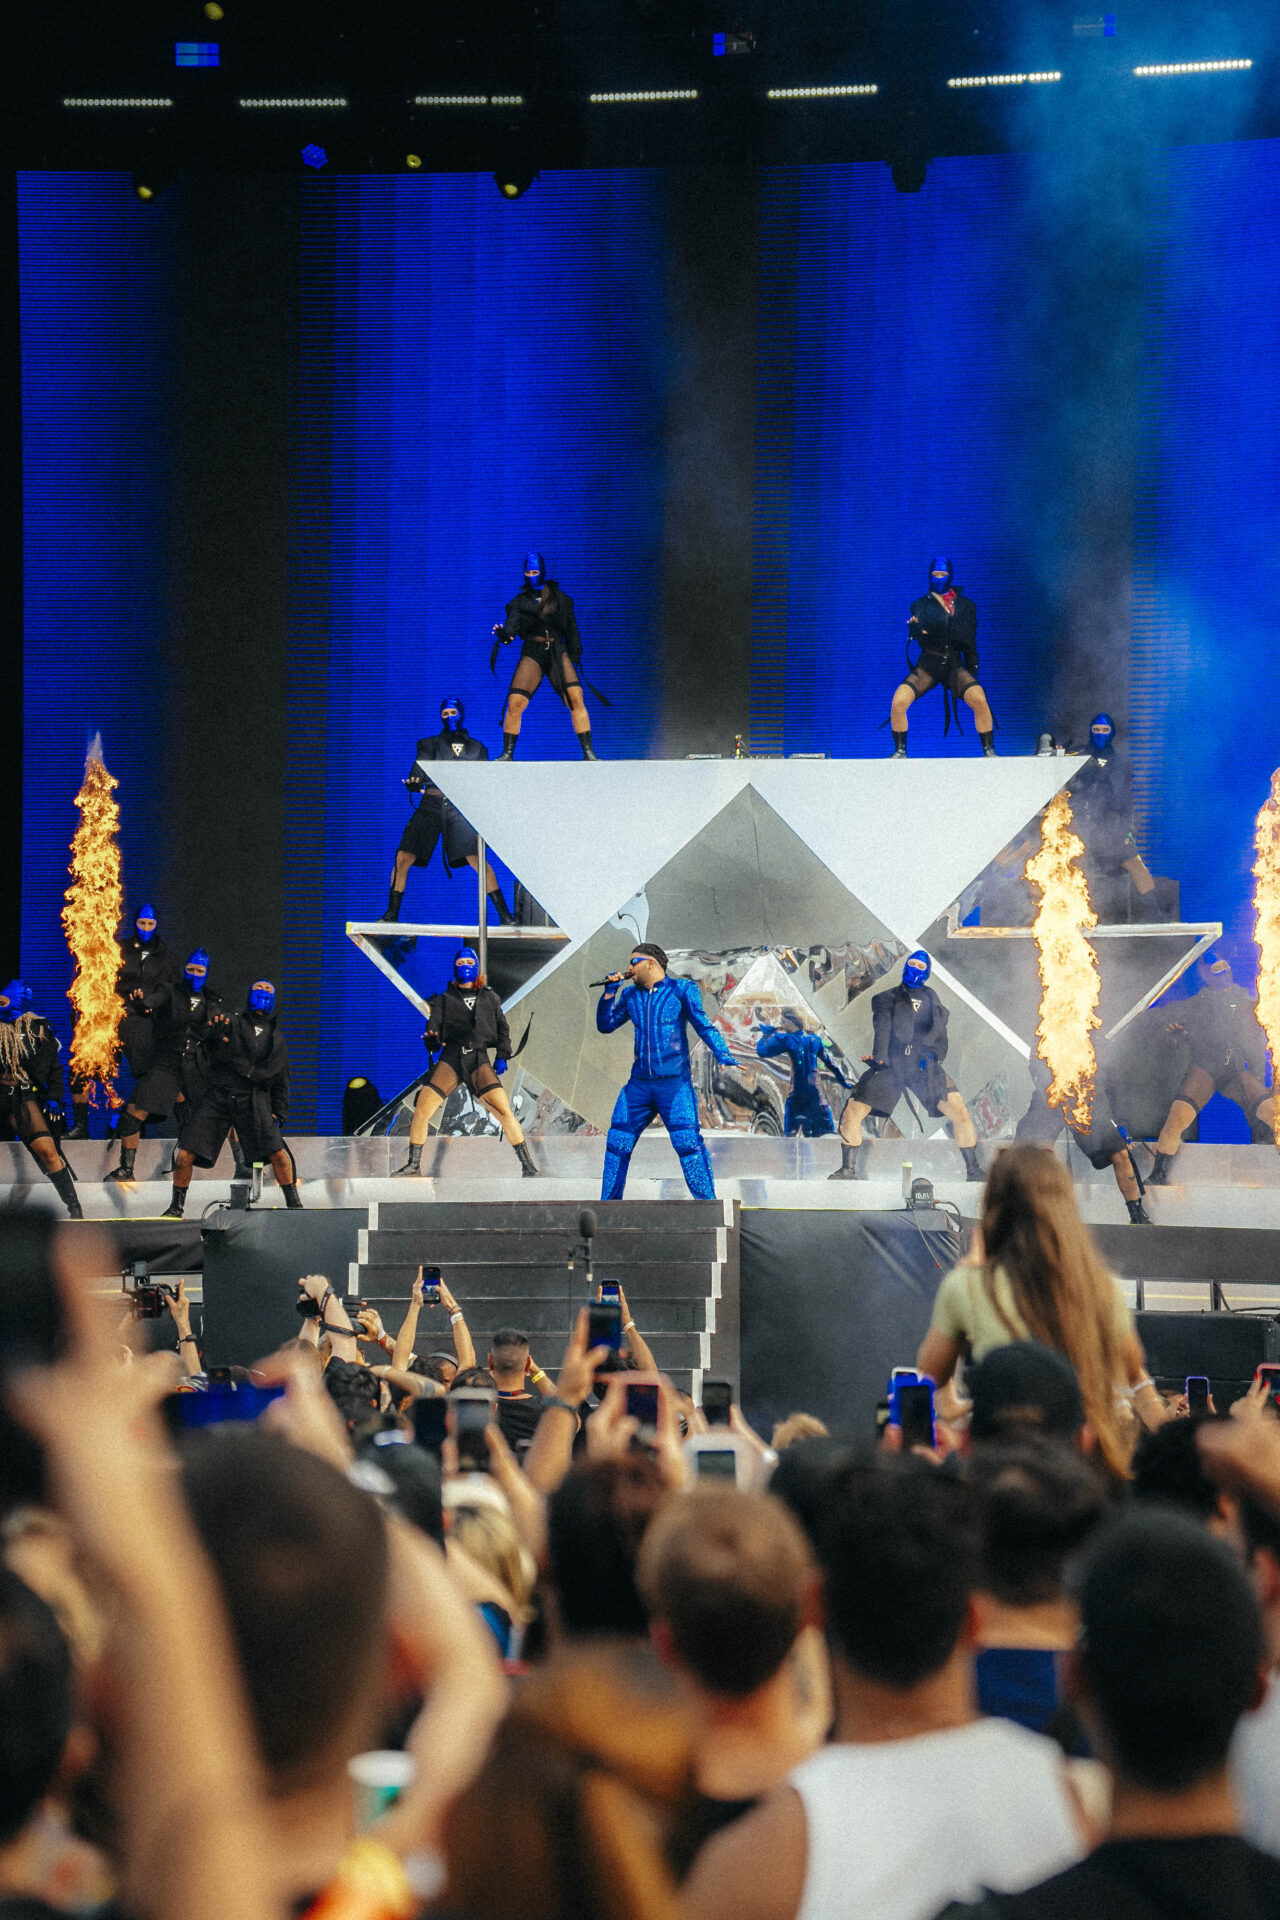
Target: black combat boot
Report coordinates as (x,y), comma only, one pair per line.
(508,746)
(988,745)
(393,904)
(527,1169)
(505,916)
(588,751)
(972,1164)
(1138,1214)
(65,1188)
(177,1204)
(899,746)
(291,1197)
(124,1172)
(1159,1174)
(412,1165)
(848,1168)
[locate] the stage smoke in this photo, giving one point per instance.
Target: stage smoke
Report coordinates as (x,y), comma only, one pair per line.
(1070,983)
(1266,927)
(94,905)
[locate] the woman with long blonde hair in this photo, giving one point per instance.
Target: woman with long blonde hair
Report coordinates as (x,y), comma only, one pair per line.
(1039,1277)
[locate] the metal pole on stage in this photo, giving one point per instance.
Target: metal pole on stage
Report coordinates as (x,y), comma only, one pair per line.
(482,943)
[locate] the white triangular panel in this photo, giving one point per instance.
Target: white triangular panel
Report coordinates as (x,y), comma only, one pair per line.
(585,836)
(908,836)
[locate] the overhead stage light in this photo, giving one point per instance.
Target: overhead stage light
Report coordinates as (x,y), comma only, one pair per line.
(514,181)
(815,93)
(301,100)
(1194,66)
(468,99)
(413,161)
(629,99)
(212,10)
(1002,79)
(149,185)
(314,156)
(115,100)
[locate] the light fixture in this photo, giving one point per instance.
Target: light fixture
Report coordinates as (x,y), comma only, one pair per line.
(119,100)
(413,161)
(627,99)
(1194,66)
(314,156)
(1003,79)
(512,182)
(195,53)
(212,10)
(309,101)
(815,93)
(149,185)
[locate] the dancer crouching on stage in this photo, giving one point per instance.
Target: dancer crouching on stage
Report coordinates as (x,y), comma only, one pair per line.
(541,618)
(944,623)
(1218,1026)
(243,1064)
(31,1090)
(661,1011)
(463,1024)
(910,1041)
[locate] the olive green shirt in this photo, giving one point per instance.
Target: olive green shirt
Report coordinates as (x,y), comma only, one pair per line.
(965,1311)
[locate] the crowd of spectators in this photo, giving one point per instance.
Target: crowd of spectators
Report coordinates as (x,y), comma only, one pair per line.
(373,1630)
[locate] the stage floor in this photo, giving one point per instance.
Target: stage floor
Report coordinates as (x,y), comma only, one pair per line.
(1218,1186)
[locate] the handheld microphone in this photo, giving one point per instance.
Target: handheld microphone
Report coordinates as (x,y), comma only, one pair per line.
(609,983)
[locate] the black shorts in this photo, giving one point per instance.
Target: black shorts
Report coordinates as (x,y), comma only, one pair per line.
(203,1132)
(469,1066)
(424,828)
(552,656)
(156,1093)
(881,1088)
(21,1116)
(937,670)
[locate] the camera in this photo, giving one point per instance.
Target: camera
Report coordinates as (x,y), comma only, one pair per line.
(147,1296)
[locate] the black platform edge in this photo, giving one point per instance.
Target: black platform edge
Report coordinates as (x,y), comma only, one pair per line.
(546,1216)
(167,1246)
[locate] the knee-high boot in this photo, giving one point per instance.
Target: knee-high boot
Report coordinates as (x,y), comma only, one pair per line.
(65,1188)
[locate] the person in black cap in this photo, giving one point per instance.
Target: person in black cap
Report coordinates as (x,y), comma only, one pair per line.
(1025,1388)
(944,624)
(542,619)
(434,815)
(1218,1030)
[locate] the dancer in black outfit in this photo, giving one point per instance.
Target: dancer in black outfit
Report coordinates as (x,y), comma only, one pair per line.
(1219,1028)
(244,1064)
(944,624)
(31,1091)
(541,618)
(147,971)
(180,1023)
(1102,1143)
(463,1024)
(434,815)
(910,1041)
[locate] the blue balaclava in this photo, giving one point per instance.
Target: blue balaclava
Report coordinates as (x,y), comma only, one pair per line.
(452,714)
(15,1000)
(262,997)
(1102,732)
(145,924)
(535,571)
(197,970)
(916,968)
(1214,973)
(939,576)
(466,967)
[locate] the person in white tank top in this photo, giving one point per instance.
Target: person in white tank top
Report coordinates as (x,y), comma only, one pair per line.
(918,1800)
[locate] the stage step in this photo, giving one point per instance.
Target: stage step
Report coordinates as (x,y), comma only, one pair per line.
(508,1263)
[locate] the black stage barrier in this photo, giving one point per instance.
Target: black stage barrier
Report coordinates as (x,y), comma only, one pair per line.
(831,1302)
(1224,1346)
(251,1271)
(167,1246)
(1227,1254)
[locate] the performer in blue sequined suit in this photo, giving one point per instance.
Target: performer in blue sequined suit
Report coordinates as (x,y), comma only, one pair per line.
(806,1111)
(661,1010)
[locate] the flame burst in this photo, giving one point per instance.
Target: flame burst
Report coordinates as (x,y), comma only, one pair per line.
(1070,983)
(1266,926)
(94,904)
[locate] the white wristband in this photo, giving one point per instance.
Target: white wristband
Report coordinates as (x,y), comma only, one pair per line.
(455,1317)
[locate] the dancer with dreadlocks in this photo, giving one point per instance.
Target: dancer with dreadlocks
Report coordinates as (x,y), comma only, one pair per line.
(944,624)
(180,1022)
(542,619)
(31,1090)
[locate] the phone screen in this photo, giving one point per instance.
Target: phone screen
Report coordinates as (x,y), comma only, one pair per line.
(429,1418)
(642,1403)
(915,1414)
(717,1402)
(604,1325)
(610,1290)
(222,1403)
(470,1422)
(717,1463)
(1197,1393)
(1270,1372)
(431,1286)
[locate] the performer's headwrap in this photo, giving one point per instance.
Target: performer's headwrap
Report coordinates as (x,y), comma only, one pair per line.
(535,572)
(15,1000)
(262,997)
(197,970)
(453,715)
(1102,732)
(916,968)
(1213,972)
(939,576)
(466,966)
(145,924)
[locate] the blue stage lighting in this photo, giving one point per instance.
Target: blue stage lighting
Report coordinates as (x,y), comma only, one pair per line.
(314,156)
(195,53)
